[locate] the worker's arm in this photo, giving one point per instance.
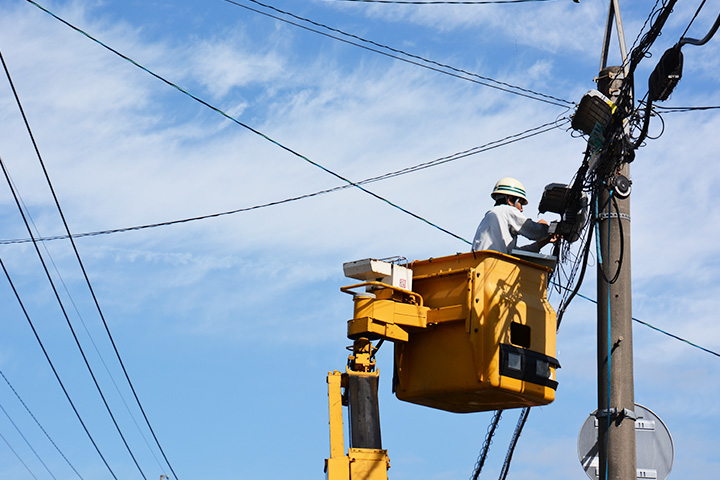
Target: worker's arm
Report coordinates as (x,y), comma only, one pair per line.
(534,231)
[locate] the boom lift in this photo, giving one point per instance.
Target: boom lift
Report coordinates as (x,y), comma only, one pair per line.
(472,332)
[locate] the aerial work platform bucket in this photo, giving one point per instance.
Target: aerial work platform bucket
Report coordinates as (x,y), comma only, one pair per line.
(489,338)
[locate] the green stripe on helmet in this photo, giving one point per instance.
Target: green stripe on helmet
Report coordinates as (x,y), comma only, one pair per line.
(511,189)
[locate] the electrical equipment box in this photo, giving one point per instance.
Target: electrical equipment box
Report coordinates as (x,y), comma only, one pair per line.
(559,198)
(595,109)
(488,342)
(666,75)
(385,271)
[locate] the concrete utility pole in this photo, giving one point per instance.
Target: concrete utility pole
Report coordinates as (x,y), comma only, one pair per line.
(616,397)
(616,402)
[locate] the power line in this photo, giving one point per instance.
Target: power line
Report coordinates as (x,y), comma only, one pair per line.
(575,292)
(52,366)
(499,85)
(657,329)
(432,163)
(697,12)
(67,320)
(440,2)
(85,275)
(253,130)
(38,424)
(701,41)
(18,456)
(54,288)
(84,272)
(87,331)
(653,11)
(684,109)
(26,441)
(639,52)
(483,148)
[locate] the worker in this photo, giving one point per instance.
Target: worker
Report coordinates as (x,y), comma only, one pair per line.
(501,225)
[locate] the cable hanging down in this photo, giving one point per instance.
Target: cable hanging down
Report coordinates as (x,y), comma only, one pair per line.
(513,442)
(486,444)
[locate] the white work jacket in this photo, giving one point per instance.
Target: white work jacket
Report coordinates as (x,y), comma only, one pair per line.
(501,226)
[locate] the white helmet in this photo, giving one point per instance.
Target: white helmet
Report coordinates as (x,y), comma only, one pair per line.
(510,186)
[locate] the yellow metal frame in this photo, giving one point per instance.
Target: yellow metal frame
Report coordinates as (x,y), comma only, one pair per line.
(416,298)
(389,312)
(338,465)
(359,463)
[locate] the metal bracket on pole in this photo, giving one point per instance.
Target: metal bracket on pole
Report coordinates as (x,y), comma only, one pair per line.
(605,216)
(616,412)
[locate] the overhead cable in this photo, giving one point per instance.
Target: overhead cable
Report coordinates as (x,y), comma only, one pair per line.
(499,85)
(639,52)
(87,331)
(475,150)
(67,319)
(52,367)
(692,20)
(82,267)
(583,262)
(661,83)
(17,456)
(26,441)
(657,329)
(684,109)
(256,132)
(17,395)
(674,336)
(432,163)
(441,2)
(653,11)
(699,42)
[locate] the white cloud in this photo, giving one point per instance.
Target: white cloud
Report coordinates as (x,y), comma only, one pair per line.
(225,65)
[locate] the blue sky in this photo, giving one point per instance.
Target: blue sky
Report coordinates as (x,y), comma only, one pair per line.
(228,326)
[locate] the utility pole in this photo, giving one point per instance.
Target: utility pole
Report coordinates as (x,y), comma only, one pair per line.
(616,398)
(616,402)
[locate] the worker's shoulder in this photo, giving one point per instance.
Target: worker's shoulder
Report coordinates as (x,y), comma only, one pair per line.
(506,211)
